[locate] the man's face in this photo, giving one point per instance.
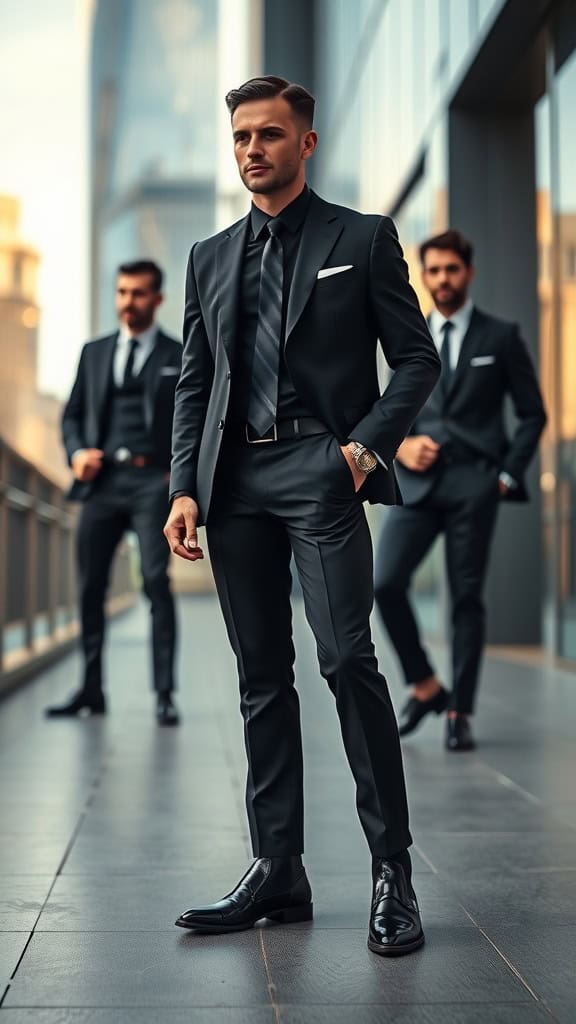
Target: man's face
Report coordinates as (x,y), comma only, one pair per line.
(136,301)
(270,144)
(447,278)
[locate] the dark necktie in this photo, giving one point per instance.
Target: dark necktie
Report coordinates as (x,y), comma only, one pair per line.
(129,368)
(264,386)
(446,375)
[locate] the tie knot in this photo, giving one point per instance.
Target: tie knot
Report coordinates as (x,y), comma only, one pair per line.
(447,327)
(133,343)
(275,227)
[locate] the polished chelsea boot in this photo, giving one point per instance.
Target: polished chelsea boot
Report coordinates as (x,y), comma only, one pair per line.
(395,926)
(273,887)
(84,700)
(415,710)
(166,712)
(459,734)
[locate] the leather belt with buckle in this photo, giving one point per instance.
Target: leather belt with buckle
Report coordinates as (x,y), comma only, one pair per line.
(302,426)
(124,457)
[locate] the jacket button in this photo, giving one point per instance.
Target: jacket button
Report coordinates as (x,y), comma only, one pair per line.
(220,424)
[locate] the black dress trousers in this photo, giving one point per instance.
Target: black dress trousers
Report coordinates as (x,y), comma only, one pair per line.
(272,500)
(126,499)
(463,506)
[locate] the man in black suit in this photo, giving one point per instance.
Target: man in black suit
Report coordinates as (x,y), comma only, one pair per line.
(454,468)
(117,429)
(279,424)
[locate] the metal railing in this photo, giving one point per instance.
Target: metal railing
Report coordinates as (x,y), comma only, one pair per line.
(38,614)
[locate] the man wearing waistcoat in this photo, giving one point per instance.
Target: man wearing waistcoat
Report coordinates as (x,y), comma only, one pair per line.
(280,433)
(454,469)
(117,427)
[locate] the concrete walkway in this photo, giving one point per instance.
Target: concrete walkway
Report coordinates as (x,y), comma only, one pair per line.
(110,828)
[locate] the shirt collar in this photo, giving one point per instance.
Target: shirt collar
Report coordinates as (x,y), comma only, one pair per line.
(460,319)
(146,338)
(292,216)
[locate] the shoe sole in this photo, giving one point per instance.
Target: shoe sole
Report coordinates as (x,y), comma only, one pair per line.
(288,915)
(75,714)
(396,950)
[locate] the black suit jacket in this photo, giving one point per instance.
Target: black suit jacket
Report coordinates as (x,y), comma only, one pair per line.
(332,329)
(84,416)
(493,363)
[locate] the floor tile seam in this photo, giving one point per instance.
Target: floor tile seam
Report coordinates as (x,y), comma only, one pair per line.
(426,859)
(511,967)
(13,975)
(430,1004)
(58,873)
(509,783)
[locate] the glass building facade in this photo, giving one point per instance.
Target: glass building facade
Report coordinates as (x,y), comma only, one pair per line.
(153,141)
(462,113)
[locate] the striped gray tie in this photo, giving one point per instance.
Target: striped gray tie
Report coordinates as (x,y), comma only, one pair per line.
(264,391)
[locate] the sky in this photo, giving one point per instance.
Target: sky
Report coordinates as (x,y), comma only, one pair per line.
(43,147)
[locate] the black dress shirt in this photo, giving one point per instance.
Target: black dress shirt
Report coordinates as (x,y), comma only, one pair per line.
(292,218)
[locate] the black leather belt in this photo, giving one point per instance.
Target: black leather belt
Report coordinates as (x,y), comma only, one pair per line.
(302,426)
(124,457)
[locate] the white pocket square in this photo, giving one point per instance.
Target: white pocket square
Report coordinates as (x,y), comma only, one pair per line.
(328,271)
(166,370)
(482,360)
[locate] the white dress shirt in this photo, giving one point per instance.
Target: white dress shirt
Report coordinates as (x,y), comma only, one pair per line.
(146,339)
(461,322)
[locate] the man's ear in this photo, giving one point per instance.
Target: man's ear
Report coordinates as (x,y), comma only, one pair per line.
(309,143)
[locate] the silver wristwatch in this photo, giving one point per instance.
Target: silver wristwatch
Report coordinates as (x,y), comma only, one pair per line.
(363,457)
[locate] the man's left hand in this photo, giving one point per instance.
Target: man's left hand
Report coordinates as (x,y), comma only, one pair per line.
(358,474)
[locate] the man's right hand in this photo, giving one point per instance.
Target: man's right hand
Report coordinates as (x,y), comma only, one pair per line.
(87,463)
(180,530)
(418,453)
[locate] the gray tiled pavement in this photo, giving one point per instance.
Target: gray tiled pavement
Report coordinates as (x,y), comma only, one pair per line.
(109,828)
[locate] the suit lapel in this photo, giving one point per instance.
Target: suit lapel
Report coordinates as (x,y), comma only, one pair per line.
(321,231)
(150,371)
(103,377)
(229,259)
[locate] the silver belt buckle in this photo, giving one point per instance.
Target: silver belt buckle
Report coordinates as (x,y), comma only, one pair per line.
(263,440)
(121,456)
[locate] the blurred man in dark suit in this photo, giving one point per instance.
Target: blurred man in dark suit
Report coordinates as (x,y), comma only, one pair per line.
(117,427)
(453,469)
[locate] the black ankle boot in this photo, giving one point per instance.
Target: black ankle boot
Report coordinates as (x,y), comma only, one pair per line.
(273,887)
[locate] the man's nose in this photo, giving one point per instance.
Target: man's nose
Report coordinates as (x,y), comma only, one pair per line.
(255,148)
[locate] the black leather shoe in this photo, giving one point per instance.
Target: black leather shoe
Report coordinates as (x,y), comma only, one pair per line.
(274,888)
(395,926)
(84,700)
(459,734)
(166,712)
(415,710)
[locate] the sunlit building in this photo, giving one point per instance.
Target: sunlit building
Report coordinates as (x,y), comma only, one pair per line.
(29,420)
(153,142)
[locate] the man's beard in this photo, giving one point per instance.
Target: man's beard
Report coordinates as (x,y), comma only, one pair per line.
(453,297)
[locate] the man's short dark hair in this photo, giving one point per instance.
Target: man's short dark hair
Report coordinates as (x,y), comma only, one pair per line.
(265,88)
(452,240)
(144,267)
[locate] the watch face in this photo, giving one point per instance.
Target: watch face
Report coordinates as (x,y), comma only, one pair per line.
(366,461)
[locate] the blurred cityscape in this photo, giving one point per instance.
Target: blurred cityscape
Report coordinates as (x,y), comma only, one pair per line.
(437,112)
